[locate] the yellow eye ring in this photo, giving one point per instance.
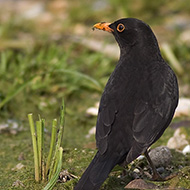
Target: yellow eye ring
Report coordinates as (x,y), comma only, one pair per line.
(120,27)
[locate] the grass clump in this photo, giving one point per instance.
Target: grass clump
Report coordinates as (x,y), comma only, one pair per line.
(47,170)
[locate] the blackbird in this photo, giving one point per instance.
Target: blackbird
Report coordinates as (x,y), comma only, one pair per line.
(137,105)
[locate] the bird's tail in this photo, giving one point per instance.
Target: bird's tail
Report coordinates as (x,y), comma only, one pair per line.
(96,173)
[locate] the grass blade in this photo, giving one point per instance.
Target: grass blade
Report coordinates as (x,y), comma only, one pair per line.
(58,144)
(52,144)
(39,144)
(53,180)
(12,94)
(43,156)
(166,49)
(80,75)
(35,149)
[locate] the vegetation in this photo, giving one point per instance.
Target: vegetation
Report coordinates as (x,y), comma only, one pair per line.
(43,59)
(47,169)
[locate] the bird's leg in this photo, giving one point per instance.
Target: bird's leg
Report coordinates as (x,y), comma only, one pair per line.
(124,173)
(156,176)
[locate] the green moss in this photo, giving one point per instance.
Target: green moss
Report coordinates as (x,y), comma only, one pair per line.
(75,160)
(182,180)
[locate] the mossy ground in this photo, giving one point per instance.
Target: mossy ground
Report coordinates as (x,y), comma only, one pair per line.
(75,160)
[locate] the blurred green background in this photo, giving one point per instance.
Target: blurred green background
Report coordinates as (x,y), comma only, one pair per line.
(48,51)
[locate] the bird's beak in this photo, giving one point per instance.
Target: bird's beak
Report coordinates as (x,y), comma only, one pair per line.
(103,26)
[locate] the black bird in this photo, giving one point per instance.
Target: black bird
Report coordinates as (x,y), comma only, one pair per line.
(137,105)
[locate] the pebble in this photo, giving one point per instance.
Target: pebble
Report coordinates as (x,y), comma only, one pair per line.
(140,157)
(11,127)
(17,183)
(136,170)
(160,170)
(19,166)
(21,156)
(178,141)
(186,149)
(147,174)
(161,156)
(140,184)
(65,176)
(92,111)
(185,36)
(183,108)
(92,131)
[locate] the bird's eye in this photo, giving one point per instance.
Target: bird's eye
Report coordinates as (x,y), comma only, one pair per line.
(120,27)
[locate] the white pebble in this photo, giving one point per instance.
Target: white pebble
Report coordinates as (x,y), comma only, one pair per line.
(92,131)
(136,170)
(186,149)
(178,141)
(92,111)
(183,108)
(140,157)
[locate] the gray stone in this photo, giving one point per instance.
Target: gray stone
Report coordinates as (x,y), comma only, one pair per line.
(160,170)
(161,156)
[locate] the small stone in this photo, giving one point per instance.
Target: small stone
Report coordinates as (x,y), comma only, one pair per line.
(93,111)
(92,131)
(185,36)
(178,141)
(3,127)
(136,170)
(161,156)
(183,108)
(21,156)
(160,170)
(140,184)
(19,166)
(11,127)
(147,174)
(17,183)
(13,132)
(65,176)
(140,157)
(136,173)
(186,149)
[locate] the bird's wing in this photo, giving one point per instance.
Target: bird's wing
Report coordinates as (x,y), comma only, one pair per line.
(154,109)
(105,120)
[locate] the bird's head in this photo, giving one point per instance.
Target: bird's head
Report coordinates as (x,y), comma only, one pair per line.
(129,32)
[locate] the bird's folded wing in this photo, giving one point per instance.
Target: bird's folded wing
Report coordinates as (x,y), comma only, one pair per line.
(150,120)
(155,108)
(106,118)
(153,112)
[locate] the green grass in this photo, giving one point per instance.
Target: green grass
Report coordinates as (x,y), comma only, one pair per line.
(48,72)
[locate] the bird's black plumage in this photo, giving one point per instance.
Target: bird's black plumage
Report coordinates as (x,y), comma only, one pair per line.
(138,102)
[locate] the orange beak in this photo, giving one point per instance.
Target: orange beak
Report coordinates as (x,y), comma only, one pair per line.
(103,26)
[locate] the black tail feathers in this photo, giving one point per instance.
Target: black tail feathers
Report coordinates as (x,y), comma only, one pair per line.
(96,173)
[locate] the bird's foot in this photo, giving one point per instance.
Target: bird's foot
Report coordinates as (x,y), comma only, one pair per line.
(158,177)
